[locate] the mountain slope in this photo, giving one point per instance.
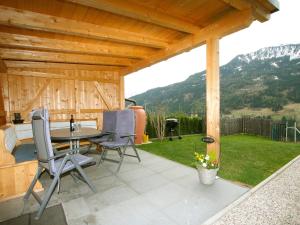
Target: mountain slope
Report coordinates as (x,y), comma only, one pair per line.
(267,78)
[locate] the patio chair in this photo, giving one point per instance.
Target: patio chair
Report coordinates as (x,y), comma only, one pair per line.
(55,165)
(123,138)
(109,124)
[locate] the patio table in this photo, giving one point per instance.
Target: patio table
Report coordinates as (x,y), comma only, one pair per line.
(75,136)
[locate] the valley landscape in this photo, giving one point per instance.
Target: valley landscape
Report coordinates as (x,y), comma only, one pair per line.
(262,83)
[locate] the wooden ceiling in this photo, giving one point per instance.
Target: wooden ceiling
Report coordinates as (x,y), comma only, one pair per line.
(115,35)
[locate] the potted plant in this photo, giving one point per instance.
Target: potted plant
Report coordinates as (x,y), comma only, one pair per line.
(207,166)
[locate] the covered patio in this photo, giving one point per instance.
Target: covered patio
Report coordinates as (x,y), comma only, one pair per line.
(155,191)
(71,56)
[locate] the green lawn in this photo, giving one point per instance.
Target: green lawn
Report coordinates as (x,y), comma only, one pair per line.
(245,159)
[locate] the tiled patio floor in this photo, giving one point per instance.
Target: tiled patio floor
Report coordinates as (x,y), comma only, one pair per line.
(156,191)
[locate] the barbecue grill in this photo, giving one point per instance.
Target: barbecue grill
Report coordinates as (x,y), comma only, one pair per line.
(172,126)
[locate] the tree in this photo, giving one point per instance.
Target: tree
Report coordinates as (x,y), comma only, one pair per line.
(158,121)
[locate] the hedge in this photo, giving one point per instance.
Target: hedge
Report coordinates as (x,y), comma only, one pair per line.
(187,125)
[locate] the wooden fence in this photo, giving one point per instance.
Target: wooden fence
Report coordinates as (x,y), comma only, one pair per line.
(255,126)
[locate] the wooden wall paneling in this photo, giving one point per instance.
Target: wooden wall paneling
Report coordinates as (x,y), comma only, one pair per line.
(2,106)
(34,101)
(64,96)
(17,178)
(102,76)
(104,95)
(5,94)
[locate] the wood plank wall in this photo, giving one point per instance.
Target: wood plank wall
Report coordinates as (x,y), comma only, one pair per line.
(62,97)
(2,110)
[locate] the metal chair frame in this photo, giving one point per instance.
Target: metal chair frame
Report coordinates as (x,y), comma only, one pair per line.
(67,156)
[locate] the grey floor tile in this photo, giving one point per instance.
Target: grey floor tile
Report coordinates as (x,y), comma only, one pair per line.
(191,211)
(178,171)
(116,195)
(76,208)
(11,209)
(89,219)
(132,175)
(149,183)
(158,218)
(166,195)
(161,165)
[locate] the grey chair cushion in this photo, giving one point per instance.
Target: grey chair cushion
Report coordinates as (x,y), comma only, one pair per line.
(100,139)
(81,159)
(25,152)
(112,144)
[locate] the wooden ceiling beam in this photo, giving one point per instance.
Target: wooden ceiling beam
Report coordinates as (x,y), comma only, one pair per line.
(138,12)
(56,45)
(230,23)
(100,76)
(259,11)
(37,21)
(3,67)
(238,4)
(65,66)
(43,56)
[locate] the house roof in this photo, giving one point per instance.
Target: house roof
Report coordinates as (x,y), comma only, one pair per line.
(116,35)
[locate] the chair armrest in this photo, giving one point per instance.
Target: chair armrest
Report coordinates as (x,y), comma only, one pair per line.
(127,135)
(68,152)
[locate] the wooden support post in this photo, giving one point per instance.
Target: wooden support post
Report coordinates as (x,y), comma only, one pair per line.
(3,68)
(122,93)
(213,95)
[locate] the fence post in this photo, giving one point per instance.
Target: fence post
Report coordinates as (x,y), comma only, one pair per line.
(295,131)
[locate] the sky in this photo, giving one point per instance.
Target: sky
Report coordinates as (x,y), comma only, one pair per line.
(282,28)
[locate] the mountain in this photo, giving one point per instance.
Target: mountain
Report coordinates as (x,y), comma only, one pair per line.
(267,78)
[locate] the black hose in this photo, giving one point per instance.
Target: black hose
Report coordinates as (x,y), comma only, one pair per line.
(130,100)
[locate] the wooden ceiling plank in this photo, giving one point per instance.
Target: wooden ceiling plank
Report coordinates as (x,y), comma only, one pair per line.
(49,44)
(37,21)
(43,56)
(61,74)
(66,66)
(259,12)
(138,12)
(230,23)
(238,4)
(3,67)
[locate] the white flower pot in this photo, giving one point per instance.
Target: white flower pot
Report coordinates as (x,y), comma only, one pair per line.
(207,176)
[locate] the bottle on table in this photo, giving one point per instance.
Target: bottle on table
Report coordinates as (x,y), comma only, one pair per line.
(72,124)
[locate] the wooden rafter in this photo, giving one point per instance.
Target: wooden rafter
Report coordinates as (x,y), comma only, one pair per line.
(103,95)
(37,21)
(50,44)
(3,67)
(259,11)
(65,66)
(223,27)
(238,4)
(141,13)
(44,56)
(63,74)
